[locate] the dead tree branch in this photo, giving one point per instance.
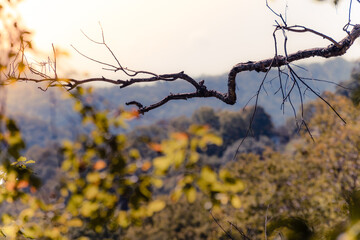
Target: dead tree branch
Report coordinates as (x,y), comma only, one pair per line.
(201,91)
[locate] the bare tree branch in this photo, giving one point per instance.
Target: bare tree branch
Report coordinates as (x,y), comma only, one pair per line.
(201,91)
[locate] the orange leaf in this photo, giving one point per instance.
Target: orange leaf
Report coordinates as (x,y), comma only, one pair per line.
(33,189)
(129,115)
(146,166)
(181,136)
(22,184)
(156,147)
(101,164)
(10,186)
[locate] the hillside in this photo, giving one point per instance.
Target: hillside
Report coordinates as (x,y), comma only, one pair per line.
(50,114)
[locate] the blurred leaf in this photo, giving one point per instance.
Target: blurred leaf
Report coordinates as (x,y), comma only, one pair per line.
(10,231)
(21,67)
(162,164)
(134,153)
(190,194)
(156,147)
(130,115)
(99,165)
(176,194)
(236,202)
(181,136)
(21,159)
(123,219)
(155,206)
(22,184)
(146,166)
(75,222)
(208,175)
(91,191)
(198,130)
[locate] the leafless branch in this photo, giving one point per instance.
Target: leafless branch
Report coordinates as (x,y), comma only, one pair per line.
(243,235)
(217,222)
(200,89)
(302,29)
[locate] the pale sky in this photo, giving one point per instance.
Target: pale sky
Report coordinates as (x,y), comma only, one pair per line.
(165,36)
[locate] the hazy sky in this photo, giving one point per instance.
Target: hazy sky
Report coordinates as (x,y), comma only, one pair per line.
(195,36)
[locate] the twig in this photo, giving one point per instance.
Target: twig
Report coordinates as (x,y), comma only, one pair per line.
(217,222)
(243,235)
(305,29)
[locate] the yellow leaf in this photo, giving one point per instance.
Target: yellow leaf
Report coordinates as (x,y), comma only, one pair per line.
(236,202)
(88,208)
(83,238)
(122,219)
(157,182)
(6,219)
(21,159)
(208,175)
(134,153)
(21,67)
(10,231)
(211,138)
(64,192)
(162,164)
(93,177)
(236,187)
(199,130)
(194,157)
(78,106)
(175,196)
(91,191)
(75,222)
(31,231)
(155,206)
(53,233)
(191,194)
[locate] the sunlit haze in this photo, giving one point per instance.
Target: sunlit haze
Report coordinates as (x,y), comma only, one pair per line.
(198,37)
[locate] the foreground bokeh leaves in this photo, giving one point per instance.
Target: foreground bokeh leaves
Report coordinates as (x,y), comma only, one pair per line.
(104,184)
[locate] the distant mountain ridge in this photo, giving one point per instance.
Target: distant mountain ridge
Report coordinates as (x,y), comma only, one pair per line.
(35,109)
(248,83)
